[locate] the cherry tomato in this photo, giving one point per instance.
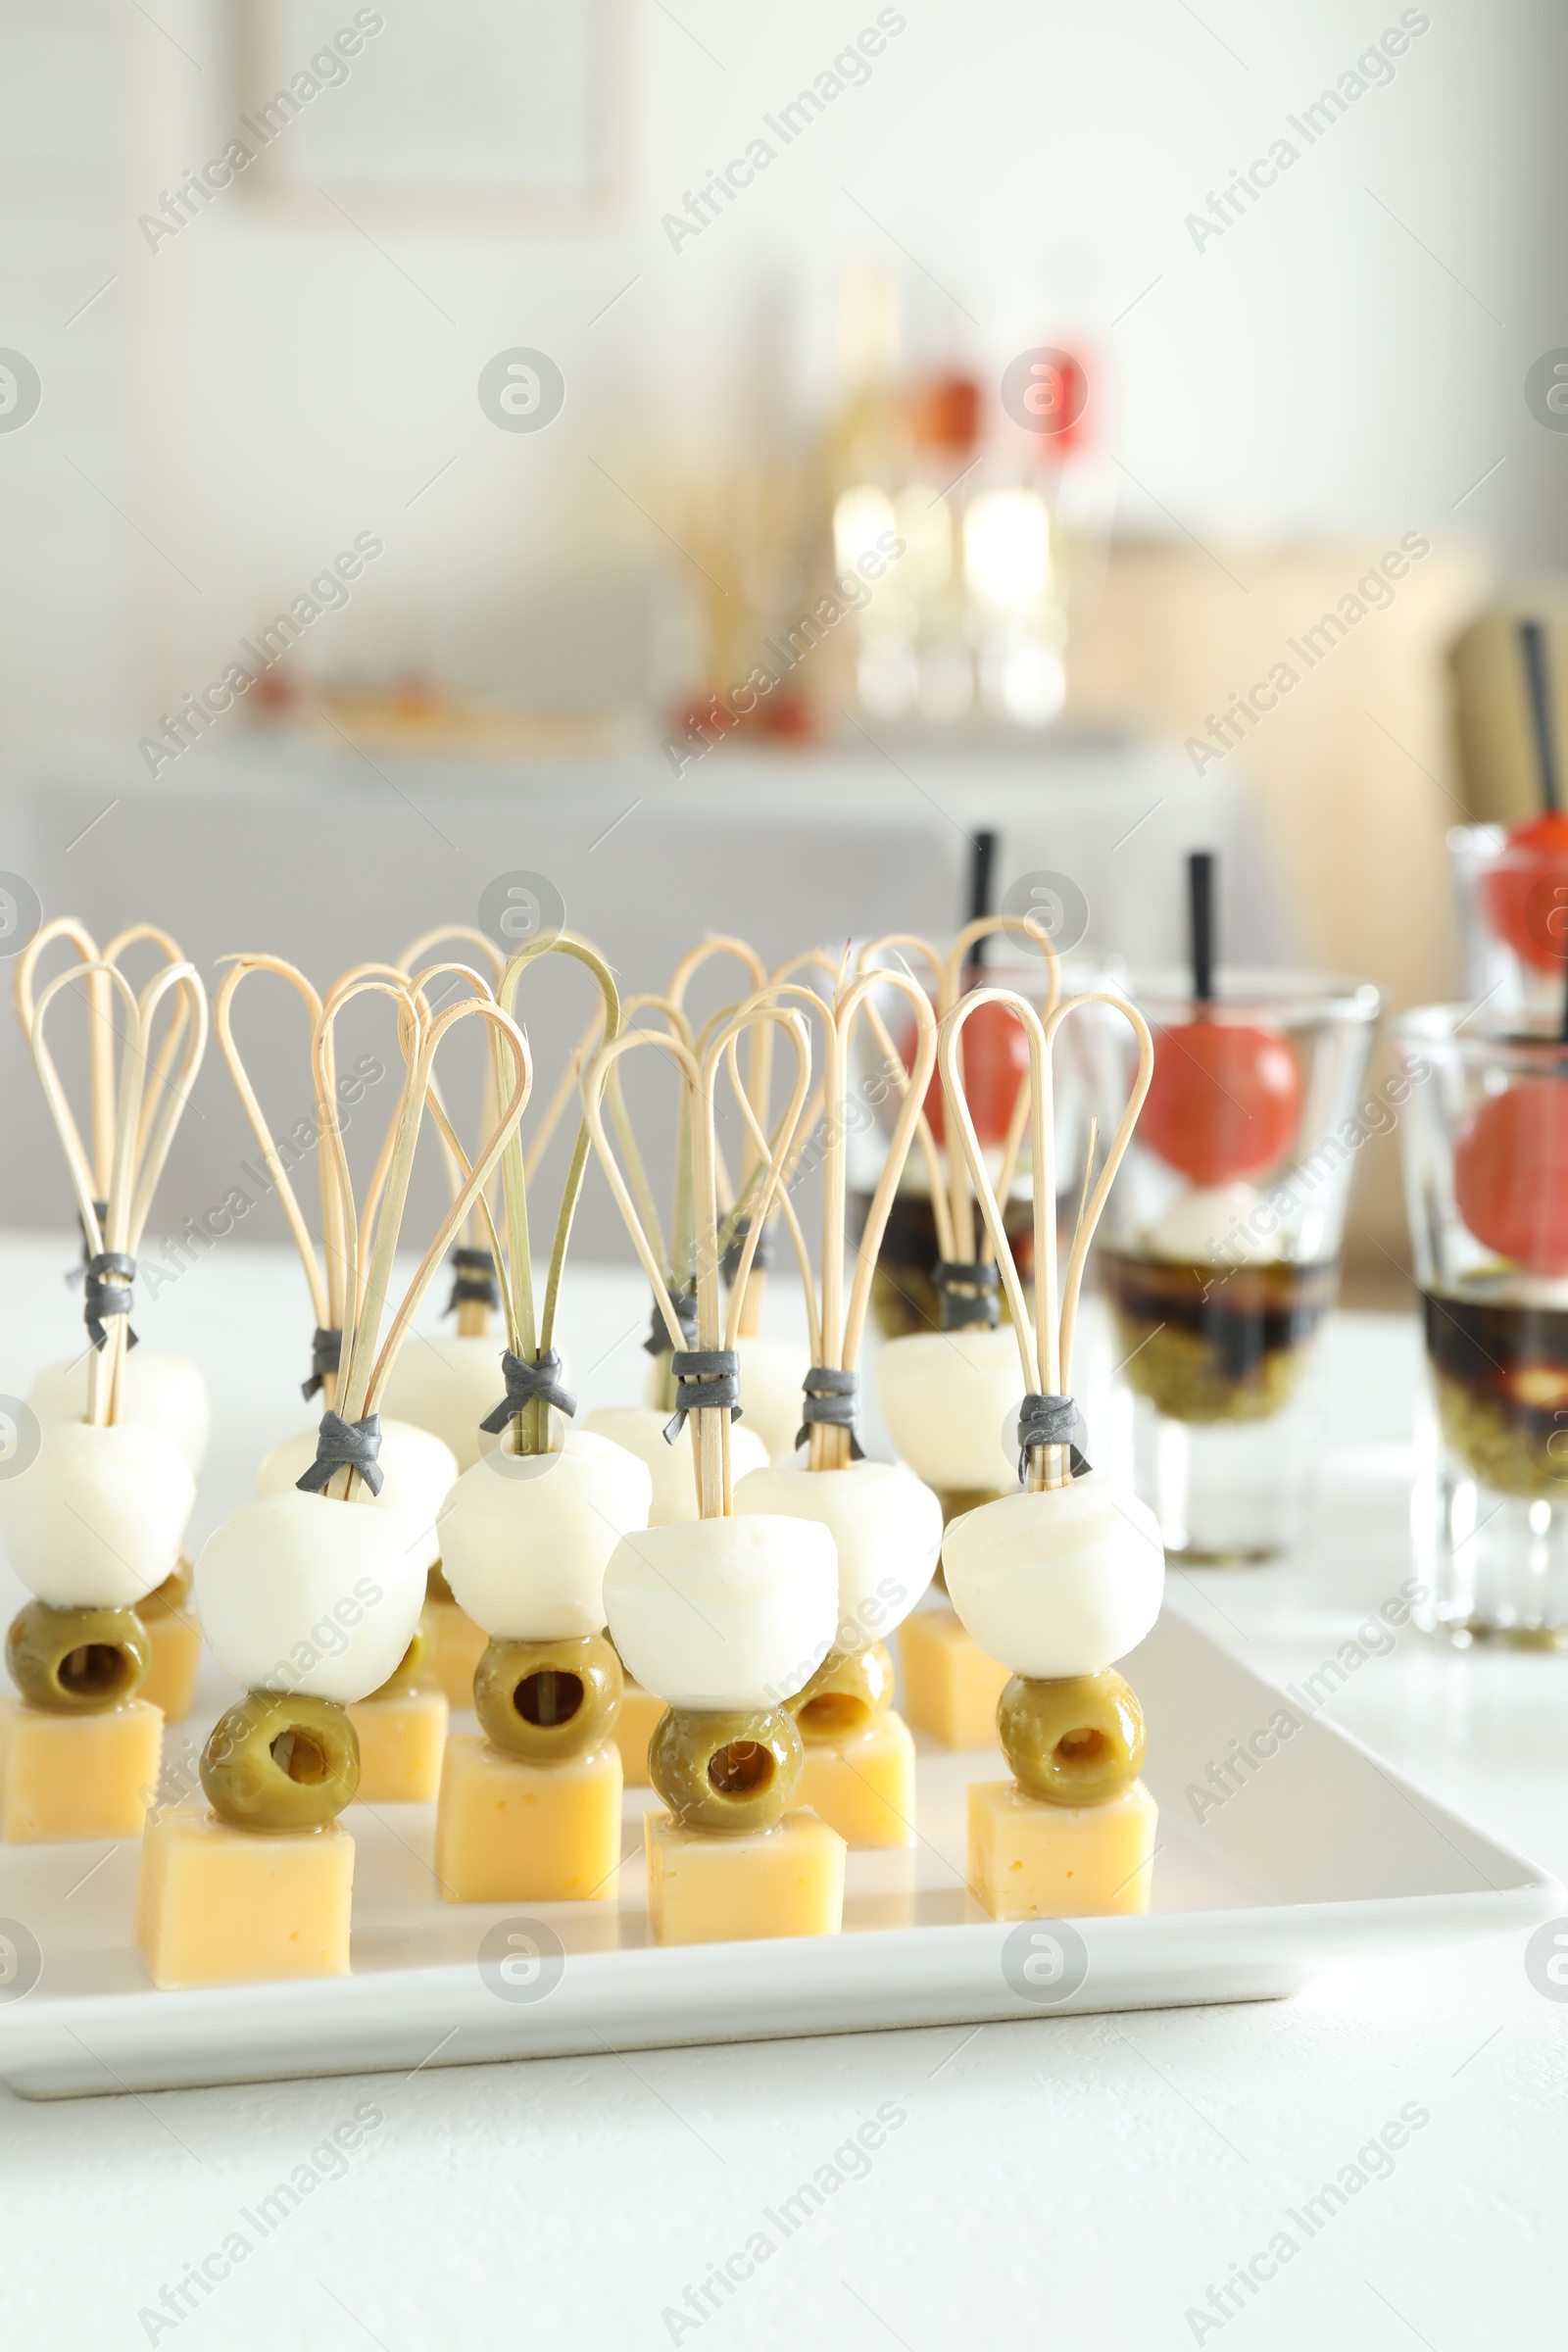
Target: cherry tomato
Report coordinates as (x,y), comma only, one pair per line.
(1527,898)
(1225,1099)
(1510,1174)
(996,1064)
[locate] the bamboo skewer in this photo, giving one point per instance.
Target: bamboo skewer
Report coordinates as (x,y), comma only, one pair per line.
(716,1328)
(367,1361)
(836,1330)
(1046,1352)
(149,1101)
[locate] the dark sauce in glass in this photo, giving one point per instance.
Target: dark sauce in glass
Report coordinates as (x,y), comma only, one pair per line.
(1207,1343)
(1499,1368)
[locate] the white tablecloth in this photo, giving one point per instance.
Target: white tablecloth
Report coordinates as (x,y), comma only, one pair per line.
(1065,2179)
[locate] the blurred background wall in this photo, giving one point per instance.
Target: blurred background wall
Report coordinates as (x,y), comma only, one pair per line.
(1286,377)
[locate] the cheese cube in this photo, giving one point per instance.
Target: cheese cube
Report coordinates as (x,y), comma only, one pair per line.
(1030,1860)
(402,1738)
(703,1889)
(217,1905)
(459,1644)
(507,1831)
(76,1776)
(633,1728)
(949,1687)
(863,1787)
(170,1683)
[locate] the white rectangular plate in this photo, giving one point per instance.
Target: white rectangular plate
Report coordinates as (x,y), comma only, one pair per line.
(1319,1854)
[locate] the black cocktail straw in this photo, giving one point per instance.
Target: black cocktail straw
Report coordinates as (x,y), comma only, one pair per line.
(1201,890)
(1533,645)
(982,868)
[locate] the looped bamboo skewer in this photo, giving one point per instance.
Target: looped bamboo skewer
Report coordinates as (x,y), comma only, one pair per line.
(366,1359)
(952,1202)
(148,1102)
(100,1026)
(472,1315)
(760,1048)
(528,1339)
(836,1330)
(323,1279)
(716,1328)
(1046,1352)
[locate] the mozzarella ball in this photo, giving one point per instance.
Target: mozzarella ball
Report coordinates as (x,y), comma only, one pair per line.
(98,1517)
(640,1429)
(524,1538)
(300,1593)
(1212,1227)
(418,1472)
(1060,1583)
(771,1375)
(723,1612)
(157,1391)
(448,1384)
(445,1383)
(945,1397)
(885,1528)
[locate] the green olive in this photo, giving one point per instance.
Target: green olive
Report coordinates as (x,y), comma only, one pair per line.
(1078,1741)
(415,1659)
(170,1598)
(730,1770)
(436,1587)
(846,1696)
(281,1761)
(76,1661)
(547,1700)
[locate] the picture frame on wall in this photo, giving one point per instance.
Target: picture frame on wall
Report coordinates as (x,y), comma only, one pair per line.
(436,108)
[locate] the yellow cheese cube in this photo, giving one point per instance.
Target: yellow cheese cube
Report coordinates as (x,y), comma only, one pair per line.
(635,1717)
(949,1687)
(1030,1860)
(400,1739)
(76,1776)
(216,1905)
(703,1889)
(510,1832)
(459,1644)
(865,1787)
(170,1684)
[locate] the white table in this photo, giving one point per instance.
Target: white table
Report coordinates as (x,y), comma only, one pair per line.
(1066,2180)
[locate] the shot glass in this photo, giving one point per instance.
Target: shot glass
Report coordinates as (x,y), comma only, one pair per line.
(1485,1150)
(1219,1252)
(1512,885)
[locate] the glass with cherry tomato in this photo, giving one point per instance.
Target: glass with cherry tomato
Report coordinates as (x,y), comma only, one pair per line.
(1484,1146)
(1219,1255)
(1513,883)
